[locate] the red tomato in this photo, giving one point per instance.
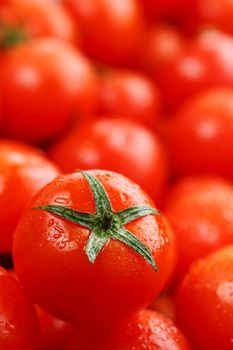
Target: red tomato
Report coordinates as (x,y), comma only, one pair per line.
(146,330)
(55,334)
(115,144)
(200,212)
(199,136)
(19,324)
(56,261)
(45,83)
(111,30)
(130,94)
(35,18)
(23,171)
(205,302)
(206,62)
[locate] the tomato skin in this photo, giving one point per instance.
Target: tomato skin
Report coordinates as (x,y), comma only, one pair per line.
(204,302)
(55,334)
(40,93)
(115,144)
(199,210)
(192,70)
(128,93)
(205,126)
(60,277)
(24,170)
(111,30)
(34,18)
(146,330)
(165,305)
(19,324)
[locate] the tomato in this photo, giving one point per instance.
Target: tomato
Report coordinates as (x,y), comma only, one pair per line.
(45,83)
(55,334)
(146,330)
(199,210)
(87,278)
(131,94)
(23,171)
(204,302)
(205,126)
(111,30)
(32,18)
(19,324)
(205,63)
(115,144)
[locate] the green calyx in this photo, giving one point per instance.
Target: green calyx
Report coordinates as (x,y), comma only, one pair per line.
(105,224)
(10,36)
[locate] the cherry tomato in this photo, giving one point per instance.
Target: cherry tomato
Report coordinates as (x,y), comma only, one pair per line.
(45,83)
(23,171)
(55,334)
(99,277)
(199,136)
(111,30)
(130,94)
(204,302)
(115,144)
(199,210)
(34,18)
(19,324)
(146,330)
(205,63)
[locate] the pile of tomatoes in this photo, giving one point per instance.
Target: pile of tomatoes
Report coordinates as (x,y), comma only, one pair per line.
(116,170)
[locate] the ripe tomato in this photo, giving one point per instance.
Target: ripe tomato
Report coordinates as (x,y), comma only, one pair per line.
(146,330)
(199,136)
(23,171)
(19,325)
(34,18)
(99,277)
(111,30)
(115,144)
(45,83)
(204,302)
(205,63)
(131,94)
(55,334)
(200,212)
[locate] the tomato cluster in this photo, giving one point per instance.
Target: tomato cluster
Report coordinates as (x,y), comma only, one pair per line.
(116,170)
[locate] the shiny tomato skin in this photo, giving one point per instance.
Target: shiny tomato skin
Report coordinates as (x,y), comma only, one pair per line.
(191,71)
(129,93)
(34,18)
(60,278)
(111,31)
(199,135)
(204,302)
(199,210)
(24,170)
(146,330)
(19,323)
(42,90)
(115,144)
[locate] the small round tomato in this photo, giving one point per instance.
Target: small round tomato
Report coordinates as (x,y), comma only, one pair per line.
(55,334)
(199,210)
(32,18)
(111,30)
(23,171)
(19,327)
(199,136)
(145,330)
(131,94)
(88,248)
(206,62)
(115,144)
(44,84)
(205,302)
